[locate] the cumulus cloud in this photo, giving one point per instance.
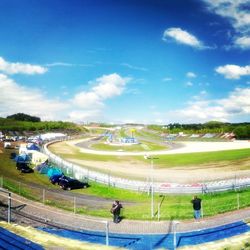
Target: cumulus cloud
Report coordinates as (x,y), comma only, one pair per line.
(191,75)
(15,98)
(182,37)
(199,110)
(231,71)
(237,13)
(85,115)
(87,100)
(104,87)
(20,68)
(242,42)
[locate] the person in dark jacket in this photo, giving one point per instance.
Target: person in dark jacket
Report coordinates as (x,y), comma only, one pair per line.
(197,207)
(116,210)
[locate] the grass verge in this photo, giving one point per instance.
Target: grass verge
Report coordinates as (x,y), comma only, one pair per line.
(137,204)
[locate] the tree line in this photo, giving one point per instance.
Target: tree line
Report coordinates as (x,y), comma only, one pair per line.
(22,122)
(241,130)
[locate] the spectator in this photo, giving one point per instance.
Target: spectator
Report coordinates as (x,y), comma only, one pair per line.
(116,210)
(197,207)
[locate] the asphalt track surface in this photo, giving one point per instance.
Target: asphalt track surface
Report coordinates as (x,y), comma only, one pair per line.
(175,147)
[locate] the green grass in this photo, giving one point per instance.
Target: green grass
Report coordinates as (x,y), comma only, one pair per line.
(143,146)
(164,161)
(138,204)
(148,135)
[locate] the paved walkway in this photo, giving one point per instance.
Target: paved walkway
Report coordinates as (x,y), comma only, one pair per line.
(70,220)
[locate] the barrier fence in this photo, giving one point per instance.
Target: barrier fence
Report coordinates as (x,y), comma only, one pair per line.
(163,209)
(83,172)
(31,210)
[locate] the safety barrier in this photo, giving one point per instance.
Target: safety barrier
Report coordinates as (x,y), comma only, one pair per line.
(81,172)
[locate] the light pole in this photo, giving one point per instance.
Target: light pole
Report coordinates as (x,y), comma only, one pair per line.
(151,158)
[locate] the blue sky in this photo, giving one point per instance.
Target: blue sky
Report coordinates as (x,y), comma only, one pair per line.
(145,61)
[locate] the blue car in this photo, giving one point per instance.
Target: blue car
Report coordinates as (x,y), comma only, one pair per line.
(55,179)
(69,183)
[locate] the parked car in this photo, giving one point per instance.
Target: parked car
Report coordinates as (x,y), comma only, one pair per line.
(56,178)
(23,167)
(69,183)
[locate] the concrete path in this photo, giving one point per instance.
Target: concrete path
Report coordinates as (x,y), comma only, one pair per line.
(53,216)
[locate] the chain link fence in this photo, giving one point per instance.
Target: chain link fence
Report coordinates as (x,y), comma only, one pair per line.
(163,208)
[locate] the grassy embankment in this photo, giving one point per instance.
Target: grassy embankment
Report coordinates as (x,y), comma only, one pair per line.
(172,206)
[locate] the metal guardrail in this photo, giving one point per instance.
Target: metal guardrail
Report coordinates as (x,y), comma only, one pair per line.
(81,172)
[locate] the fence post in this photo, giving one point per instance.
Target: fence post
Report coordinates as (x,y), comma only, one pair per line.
(238,201)
(174,229)
(202,210)
(19,188)
(159,212)
(1,181)
(107,232)
(9,208)
(74,205)
(43,196)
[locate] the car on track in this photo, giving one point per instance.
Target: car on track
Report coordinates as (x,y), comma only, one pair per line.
(69,183)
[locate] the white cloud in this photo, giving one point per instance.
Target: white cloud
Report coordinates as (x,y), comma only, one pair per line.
(87,100)
(236,104)
(167,79)
(55,64)
(189,84)
(183,37)
(20,68)
(231,71)
(191,75)
(237,13)
(133,67)
(63,64)
(85,115)
(90,104)
(111,85)
(243,42)
(15,98)
(104,87)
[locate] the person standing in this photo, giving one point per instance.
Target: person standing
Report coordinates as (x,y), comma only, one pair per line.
(197,207)
(116,210)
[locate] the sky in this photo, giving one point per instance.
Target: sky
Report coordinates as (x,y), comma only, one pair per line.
(126,61)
